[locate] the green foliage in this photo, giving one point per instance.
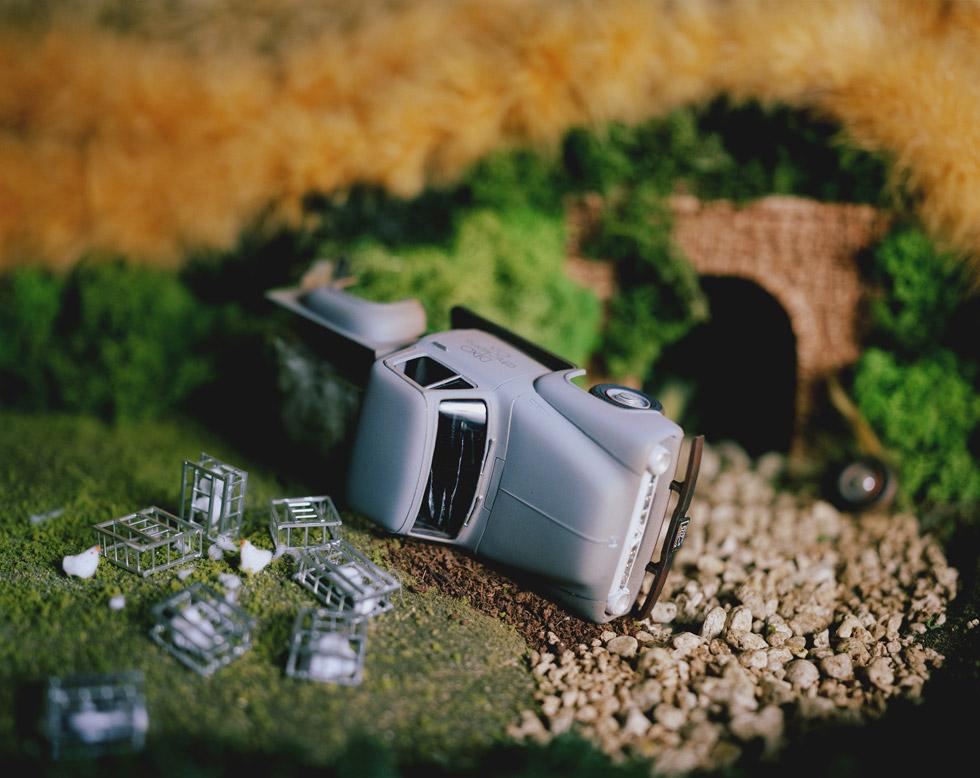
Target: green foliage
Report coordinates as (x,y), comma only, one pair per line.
(660,299)
(925,411)
(506,265)
(110,339)
(920,290)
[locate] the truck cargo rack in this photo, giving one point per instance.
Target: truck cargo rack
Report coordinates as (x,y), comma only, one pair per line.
(327,647)
(87,716)
(303,522)
(149,541)
(346,581)
(201,629)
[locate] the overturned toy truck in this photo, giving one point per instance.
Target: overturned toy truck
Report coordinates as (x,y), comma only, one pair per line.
(478,438)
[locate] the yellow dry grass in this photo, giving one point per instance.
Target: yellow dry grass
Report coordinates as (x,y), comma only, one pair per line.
(150,128)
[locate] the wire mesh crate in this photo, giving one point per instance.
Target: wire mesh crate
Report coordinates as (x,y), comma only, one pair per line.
(149,541)
(346,581)
(327,647)
(201,628)
(303,522)
(93,715)
(212,496)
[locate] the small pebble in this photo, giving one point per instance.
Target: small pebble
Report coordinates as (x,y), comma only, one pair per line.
(802,673)
(663,612)
(714,623)
(624,645)
(837,666)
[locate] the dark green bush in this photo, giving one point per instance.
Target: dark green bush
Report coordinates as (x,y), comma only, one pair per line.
(925,411)
(30,301)
(659,299)
(110,339)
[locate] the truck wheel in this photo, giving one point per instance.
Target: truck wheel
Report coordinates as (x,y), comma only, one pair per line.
(862,484)
(625,397)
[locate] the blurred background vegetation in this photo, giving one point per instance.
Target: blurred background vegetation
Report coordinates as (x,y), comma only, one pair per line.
(127,342)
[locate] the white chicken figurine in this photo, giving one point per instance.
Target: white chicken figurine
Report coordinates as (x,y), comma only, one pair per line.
(254,559)
(82,565)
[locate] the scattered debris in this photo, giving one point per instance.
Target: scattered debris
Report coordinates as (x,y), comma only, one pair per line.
(254,560)
(345,580)
(40,518)
(185,573)
(149,541)
(226,544)
(230,581)
(117,602)
(88,716)
(212,496)
(82,565)
(781,609)
(201,629)
(302,522)
(327,647)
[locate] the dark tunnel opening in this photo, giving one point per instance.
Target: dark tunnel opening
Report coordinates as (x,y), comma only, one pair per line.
(739,368)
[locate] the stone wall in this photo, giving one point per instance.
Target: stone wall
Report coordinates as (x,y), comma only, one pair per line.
(802,252)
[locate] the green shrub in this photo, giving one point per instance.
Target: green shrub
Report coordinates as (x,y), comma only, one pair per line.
(110,339)
(920,289)
(926,411)
(507,265)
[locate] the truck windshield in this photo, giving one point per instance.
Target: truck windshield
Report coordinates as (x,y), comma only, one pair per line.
(461,440)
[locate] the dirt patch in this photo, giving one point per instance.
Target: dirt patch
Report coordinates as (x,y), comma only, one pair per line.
(490,591)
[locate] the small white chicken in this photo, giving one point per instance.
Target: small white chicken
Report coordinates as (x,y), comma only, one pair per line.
(82,565)
(333,658)
(254,559)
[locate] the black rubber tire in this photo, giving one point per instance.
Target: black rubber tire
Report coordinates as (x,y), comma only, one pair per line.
(862,484)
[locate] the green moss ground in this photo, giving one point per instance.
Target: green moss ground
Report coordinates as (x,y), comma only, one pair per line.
(442,681)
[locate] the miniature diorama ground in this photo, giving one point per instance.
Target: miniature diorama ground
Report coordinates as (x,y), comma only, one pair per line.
(449,671)
(442,679)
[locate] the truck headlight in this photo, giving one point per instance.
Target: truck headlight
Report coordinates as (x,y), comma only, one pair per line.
(619,603)
(659,461)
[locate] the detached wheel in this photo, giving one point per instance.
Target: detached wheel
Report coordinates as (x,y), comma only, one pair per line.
(625,397)
(862,484)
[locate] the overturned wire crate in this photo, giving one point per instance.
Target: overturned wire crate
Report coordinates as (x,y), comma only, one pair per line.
(303,522)
(327,647)
(149,541)
(202,629)
(92,715)
(346,581)
(212,496)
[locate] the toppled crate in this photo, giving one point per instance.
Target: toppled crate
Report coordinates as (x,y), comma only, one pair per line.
(149,541)
(202,629)
(212,496)
(91,715)
(303,522)
(327,647)
(346,581)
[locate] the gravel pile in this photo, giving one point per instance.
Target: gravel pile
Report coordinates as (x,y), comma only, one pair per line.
(779,610)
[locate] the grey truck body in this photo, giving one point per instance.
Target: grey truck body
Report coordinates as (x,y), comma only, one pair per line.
(477,438)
